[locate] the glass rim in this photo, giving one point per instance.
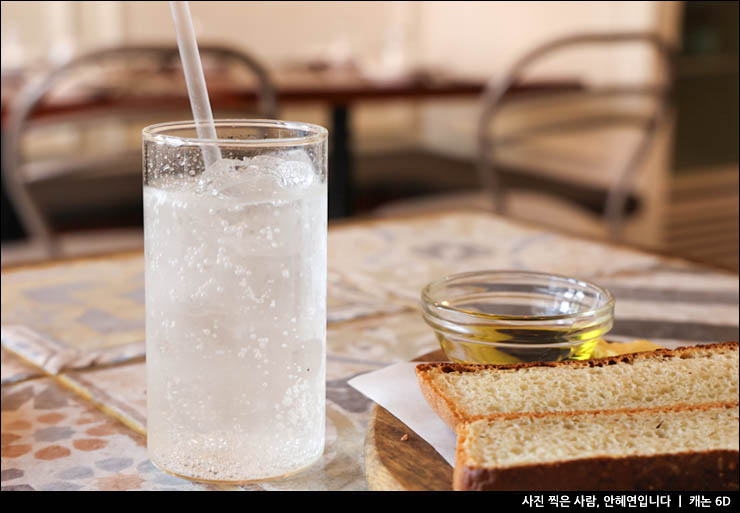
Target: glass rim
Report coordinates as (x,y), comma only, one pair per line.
(314,133)
(431,303)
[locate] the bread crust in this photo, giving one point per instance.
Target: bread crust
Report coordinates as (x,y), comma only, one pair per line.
(709,471)
(453,417)
(595,362)
(441,405)
(715,470)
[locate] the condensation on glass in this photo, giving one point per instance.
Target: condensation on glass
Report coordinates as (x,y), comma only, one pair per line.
(235,298)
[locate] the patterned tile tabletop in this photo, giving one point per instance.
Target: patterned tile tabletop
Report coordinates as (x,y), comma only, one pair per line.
(73,370)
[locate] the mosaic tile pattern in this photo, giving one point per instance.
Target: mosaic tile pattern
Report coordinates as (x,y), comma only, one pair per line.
(76,315)
(82,324)
(383,341)
(398,258)
(14,369)
(53,440)
(85,305)
(52,355)
(119,390)
(346,302)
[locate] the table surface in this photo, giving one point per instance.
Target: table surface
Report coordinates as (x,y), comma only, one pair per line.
(73,370)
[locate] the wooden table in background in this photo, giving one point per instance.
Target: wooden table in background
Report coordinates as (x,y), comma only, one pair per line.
(338,90)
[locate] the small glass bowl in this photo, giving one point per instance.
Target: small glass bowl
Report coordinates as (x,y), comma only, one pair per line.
(506,317)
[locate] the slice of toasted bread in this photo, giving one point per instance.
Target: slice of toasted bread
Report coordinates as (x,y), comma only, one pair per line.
(662,378)
(679,448)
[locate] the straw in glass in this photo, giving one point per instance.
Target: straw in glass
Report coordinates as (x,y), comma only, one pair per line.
(195,80)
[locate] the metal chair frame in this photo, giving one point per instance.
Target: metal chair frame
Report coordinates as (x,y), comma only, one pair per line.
(493,99)
(30,97)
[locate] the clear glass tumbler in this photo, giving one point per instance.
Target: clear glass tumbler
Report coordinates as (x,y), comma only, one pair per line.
(235,298)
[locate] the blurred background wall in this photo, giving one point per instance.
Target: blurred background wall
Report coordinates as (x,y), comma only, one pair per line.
(463,39)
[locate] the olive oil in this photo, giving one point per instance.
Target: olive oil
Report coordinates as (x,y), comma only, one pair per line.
(503,345)
(510,317)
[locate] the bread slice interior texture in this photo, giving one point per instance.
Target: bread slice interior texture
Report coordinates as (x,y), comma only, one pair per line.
(687,376)
(549,438)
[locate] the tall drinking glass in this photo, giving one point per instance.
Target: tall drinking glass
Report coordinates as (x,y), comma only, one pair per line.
(235,298)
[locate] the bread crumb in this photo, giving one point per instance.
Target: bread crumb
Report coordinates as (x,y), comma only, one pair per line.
(405,437)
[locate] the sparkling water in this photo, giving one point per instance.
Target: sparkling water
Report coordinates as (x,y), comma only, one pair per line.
(236,318)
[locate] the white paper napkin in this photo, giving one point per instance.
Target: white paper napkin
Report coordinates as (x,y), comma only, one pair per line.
(396,389)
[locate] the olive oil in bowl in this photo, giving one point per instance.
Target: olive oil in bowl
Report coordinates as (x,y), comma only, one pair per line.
(514,317)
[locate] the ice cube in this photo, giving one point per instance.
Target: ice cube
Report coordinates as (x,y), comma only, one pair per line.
(290,169)
(219,176)
(296,174)
(261,176)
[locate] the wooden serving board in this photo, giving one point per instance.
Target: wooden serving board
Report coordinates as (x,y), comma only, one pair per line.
(397,459)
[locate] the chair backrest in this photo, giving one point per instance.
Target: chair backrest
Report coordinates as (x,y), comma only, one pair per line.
(495,97)
(135,66)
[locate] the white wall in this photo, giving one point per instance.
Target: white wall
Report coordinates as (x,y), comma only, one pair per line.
(39,33)
(274,31)
(474,38)
(34,32)
(485,38)
(282,32)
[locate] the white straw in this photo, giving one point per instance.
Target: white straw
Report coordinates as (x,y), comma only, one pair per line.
(195,80)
